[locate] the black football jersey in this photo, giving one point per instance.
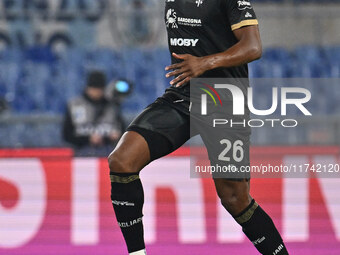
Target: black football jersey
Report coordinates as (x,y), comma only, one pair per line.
(205,27)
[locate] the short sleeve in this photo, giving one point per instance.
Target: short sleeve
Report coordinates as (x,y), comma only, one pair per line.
(240,13)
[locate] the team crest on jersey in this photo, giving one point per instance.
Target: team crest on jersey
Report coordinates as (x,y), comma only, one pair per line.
(244,4)
(171,19)
(199,2)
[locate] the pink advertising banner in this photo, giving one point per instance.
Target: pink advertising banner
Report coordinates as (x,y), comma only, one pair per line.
(52,203)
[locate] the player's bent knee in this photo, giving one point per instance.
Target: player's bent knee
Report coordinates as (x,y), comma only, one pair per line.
(234,202)
(118,163)
(230,202)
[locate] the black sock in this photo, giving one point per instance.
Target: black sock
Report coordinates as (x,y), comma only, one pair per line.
(261,231)
(127,199)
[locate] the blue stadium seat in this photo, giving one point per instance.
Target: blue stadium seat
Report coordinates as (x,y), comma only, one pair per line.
(11,55)
(332,53)
(277,54)
(33,84)
(9,75)
(40,54)
(255,69)
(309,53)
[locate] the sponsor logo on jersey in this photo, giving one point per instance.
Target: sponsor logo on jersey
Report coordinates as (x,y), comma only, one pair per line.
(183,42)
(130,223)
(199,2)
(123,203)
(189,22)
(248,15)
(244,4)
(171,19)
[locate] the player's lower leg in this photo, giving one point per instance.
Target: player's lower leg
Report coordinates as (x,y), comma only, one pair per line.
(126,189)
(127,199)
(260,229)
(256,224)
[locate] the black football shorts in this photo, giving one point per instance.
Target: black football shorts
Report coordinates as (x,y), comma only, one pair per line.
(166,125)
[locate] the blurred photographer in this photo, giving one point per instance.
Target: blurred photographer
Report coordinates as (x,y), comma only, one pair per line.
(92,120)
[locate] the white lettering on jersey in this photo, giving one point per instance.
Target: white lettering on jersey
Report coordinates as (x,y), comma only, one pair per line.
(189,22)
(183,42)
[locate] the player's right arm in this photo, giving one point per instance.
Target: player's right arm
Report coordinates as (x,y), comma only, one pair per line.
(244,24)
(247,49)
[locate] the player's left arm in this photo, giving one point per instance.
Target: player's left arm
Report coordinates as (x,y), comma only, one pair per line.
(247,49)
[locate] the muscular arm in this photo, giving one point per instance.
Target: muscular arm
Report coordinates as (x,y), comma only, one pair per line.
(247,49)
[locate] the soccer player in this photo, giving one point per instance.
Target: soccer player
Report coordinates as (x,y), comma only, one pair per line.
(207,39)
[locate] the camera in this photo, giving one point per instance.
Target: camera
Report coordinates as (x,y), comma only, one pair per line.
(118,89)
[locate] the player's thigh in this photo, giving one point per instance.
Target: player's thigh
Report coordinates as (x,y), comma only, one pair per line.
(163,127)
(228,151)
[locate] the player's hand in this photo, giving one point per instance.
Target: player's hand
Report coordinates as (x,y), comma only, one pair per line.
(190,67)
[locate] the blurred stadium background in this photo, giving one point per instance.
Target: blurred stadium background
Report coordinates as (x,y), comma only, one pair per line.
(46,49)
